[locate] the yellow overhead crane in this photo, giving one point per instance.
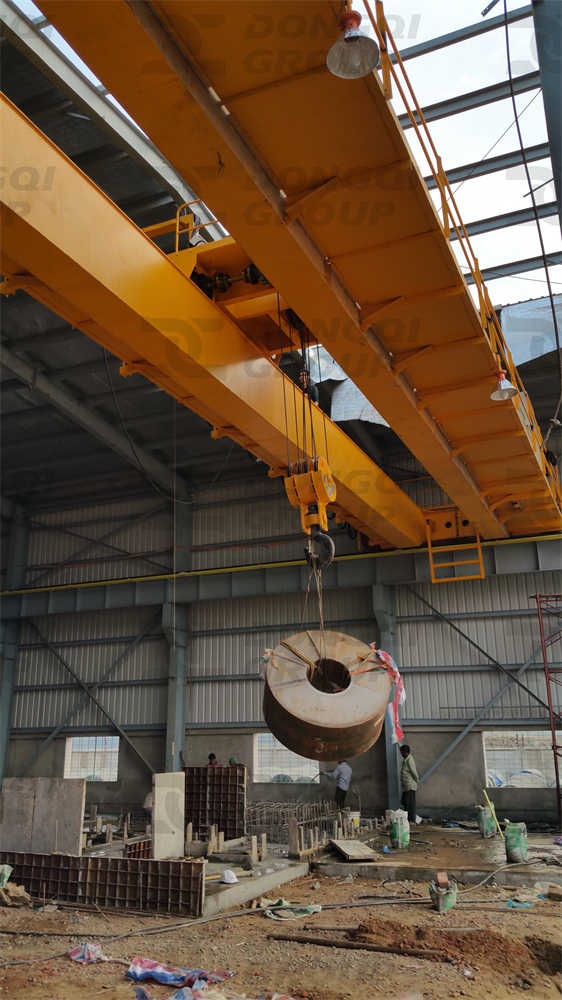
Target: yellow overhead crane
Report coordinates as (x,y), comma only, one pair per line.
(315,179)
(71,248)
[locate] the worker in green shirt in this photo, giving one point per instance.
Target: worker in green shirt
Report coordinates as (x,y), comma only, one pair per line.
(409,779)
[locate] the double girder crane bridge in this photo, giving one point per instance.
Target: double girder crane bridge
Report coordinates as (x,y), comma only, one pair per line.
(334,240)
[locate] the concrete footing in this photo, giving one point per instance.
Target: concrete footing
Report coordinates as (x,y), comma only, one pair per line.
(220,897)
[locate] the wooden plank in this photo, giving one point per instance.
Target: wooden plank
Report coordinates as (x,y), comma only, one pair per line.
(354,850)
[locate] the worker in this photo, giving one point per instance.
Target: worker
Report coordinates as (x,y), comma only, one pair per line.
(212,759)
(342,776)
(409,779)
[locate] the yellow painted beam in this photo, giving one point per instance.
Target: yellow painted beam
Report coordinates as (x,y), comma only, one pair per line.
(88,260)
(304,170)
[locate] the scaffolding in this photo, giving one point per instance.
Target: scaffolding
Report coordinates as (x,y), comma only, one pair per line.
(549,609)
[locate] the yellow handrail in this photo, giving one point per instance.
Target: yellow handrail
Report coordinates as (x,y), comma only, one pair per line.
(452,220)
(190,228)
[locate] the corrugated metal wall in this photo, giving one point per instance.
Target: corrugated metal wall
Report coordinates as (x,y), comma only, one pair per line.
(233,525)
(227,520)
(139,529)
(89,643)
(501,617)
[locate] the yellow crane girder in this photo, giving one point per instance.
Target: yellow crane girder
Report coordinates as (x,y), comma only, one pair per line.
(70,247)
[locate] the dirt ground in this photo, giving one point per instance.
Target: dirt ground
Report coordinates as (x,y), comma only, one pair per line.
(487,953)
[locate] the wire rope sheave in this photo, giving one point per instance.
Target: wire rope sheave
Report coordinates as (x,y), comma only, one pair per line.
(325,695)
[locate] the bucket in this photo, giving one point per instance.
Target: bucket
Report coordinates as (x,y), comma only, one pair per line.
(355,819)
(486,823)
(443,899)
(399,828)
(515,842)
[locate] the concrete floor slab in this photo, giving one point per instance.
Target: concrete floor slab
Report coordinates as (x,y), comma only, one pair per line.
(464,854)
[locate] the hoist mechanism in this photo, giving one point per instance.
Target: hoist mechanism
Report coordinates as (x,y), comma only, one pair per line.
(311,488)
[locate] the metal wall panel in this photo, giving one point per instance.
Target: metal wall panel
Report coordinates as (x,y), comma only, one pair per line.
(281,609)
(89,658)
(49,546)
(502,620)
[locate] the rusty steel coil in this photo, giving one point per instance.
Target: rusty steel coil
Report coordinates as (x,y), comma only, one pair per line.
(325,695)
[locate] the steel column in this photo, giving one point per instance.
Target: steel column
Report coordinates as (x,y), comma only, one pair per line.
(175,625)
(547,15)
(15,577)
(384,609)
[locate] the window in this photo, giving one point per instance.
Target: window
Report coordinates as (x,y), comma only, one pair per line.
(95,758)
(519,760)
(273,762)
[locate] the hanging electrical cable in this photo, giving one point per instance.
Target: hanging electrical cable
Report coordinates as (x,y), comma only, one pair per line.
(554,419)
(284,386)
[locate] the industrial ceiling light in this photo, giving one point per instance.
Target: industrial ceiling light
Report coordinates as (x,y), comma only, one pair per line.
(354,55)
(505,389)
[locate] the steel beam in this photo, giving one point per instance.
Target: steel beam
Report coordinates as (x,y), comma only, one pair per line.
(43,54)
(15,577)
(547,15)
(517,267)
(384,609)
(504,161)
(89,694)
(93,423)
(475,99)
(516,218)
(462,34)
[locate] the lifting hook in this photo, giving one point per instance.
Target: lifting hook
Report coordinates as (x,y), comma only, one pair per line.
(311,490)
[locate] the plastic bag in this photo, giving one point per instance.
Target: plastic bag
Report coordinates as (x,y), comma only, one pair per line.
(399,828)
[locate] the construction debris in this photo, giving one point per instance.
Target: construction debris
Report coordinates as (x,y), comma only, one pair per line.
(354,850)
(142,969)
(14,895)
